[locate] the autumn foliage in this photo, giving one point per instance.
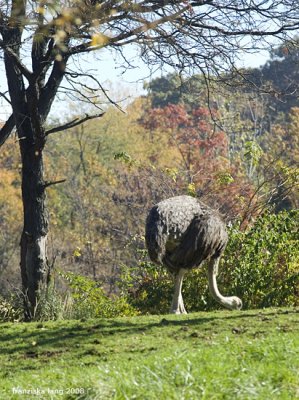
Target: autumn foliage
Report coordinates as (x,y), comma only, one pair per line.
(204,164)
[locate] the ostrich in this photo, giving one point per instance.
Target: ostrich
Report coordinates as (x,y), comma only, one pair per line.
(181,232)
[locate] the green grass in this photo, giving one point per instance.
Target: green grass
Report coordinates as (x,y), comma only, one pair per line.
(216,355)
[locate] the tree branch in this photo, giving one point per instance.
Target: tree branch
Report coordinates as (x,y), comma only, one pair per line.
(49,91)
(23,69)
(51,183)
(101,88)
(73,123)
(5,97)
(261,33)
(144,26)
(7,129)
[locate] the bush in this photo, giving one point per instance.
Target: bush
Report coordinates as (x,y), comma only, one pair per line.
(10,310)
(51,305)
(86,299)
(83,298)
(261,266)
(148,287)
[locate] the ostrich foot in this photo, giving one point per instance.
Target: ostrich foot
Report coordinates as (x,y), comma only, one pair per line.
(178,308)
(178,312)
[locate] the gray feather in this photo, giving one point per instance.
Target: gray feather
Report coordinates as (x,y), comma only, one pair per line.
(182,232)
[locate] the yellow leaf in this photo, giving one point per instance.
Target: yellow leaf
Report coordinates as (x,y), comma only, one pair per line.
(40,10)
(98,39)
(191,189)
(77,252)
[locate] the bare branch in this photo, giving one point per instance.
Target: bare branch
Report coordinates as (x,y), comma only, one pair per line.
(72,124)
(5,97)
(7,129)
(100,87)
(51,183)
(143,27)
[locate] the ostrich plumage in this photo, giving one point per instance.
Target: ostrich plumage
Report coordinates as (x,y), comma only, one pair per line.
(182,232)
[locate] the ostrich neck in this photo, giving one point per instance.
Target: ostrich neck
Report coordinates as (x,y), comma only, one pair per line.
(212,275)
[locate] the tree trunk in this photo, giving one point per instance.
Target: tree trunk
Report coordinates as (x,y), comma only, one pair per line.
(34,264)
(31,104)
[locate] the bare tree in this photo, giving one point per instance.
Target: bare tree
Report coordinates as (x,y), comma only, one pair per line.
(39,39)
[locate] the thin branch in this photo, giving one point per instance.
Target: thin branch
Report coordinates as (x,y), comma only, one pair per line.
(51,183)
(133,33)
(5,97)
(73,123)
(7,129)
(103,90)
(261,33)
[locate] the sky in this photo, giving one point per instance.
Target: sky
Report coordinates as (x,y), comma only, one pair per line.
(121,84)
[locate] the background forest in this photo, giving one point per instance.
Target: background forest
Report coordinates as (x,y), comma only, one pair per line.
(235,148)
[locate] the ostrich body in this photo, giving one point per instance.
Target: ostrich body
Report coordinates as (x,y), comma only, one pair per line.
(181,233)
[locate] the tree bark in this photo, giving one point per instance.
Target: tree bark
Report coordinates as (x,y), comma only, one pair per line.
(35,270)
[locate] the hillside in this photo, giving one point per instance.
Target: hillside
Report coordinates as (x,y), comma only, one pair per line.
(215,355)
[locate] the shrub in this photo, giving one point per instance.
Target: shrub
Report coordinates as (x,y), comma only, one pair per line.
(147,286)
(10,310)
(86,299)
(83,298)
(262,264)
(51,305)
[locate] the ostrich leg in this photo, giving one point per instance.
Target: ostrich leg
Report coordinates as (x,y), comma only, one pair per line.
(177,305)
(233,302)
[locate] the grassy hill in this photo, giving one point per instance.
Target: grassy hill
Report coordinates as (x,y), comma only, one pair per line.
(216,355)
